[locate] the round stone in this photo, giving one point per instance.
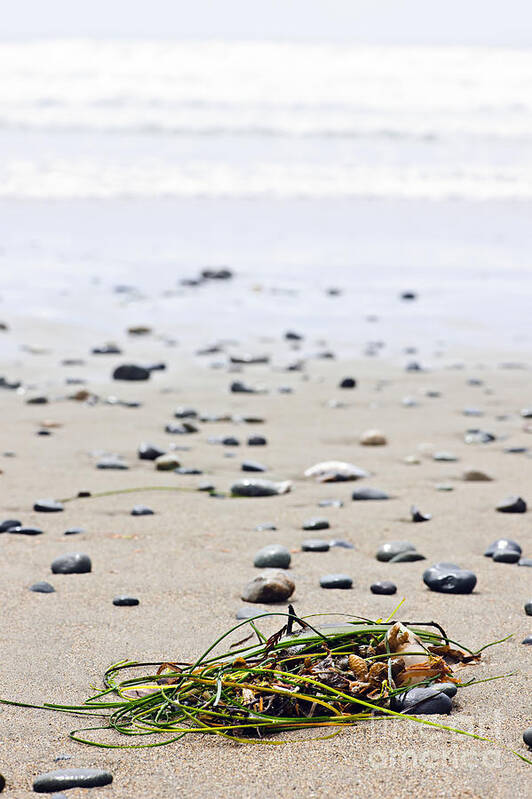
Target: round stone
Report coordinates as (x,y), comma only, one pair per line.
(141,510)
(8,524)
(367,493)
(253,466)
(257,441)
(72,563)
(373,438)
(316,524)
(527,737)
(528,607)
(71,778)
(512,505)
(448,578)
(336,581)
(502,544)
(130,371)
(268,587)
(272,556)
(125,601)
(383,587)
(315,545)
(423,700)
(47,506)
(42,588)
(505,556)
(390,549)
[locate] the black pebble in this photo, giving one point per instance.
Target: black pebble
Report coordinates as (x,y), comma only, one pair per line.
(74,531)
(125,601)
(383,587)
(448,578)
(130,371)
(257,441)
(2,782)
(141,510)
(505,556)
(527,640)
(106,349)
(42,588)
(336,581)
(348,382)
(73,563)
(502,543)
(47,506)
(185,470)
(512,505)
(7,524)
(423,700)
(417,516)
(183,429)
(527,737)
(316,524)
(528,607)
(71,778)
(253,466)
(230,441)
(367,493)
(149,452)
(25,530)
(315,545)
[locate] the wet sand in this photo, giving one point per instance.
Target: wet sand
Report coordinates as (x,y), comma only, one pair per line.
(189,562)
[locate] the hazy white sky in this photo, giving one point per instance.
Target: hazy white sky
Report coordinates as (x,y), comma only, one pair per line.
(404,21)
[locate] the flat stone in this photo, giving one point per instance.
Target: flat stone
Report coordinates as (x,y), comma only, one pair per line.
(476,476)
(40,400)
(206,485)
(527,640)
(72,563)
(141,510)
(246,612)
(268,587)
(74,531)
(272,556)
(444,457)
(385,587)
(149,452)
(340,542)
(448,578)
(186,470)
(528,607)
(23,530)
(407,557)
(342,581)
(106,349)
(42,588)
(185,413)
(367,493)
(330,503)
(502,543)
(505,556)
(335,472)
(512,505)
(525,562)
(48,506)
(257,441)
(238,387)
(183,429)
(348,382)
(478,437)
(315,545)
(71,778)
(259,488)
(373,438)
(423,701)
(316,524)
(111,462)
(8,524)
(390,549)
(130,371)
(253,466)
(125,601)
(261,528)
(167,462)
(515,450)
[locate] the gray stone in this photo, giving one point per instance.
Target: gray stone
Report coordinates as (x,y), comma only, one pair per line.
(272,556)
(417,516)
(268,587)
(478,437)
(342,581)
(130,371)
(512,505)
(340,542)
(407,557)
(253,466)
(261,528)
(528,607)
(71,778)
(423,700)
(72,563)
(385,587)
(330,503)
(259,488)
(390,549)
(527,737)
(316,524)
(183,429)
(502,544)
(257,441)
(125,601)
(367,493)
(315,545)
(448,578)
(141,510)
(527,640)
(525,562)
(42,588)
(47,506)
(246,612)
(505,556)
(74,531)
(445,457)
(111,462)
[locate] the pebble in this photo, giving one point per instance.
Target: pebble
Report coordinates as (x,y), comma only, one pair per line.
(259,488)
(257,441)
(367,493)
(502,543)
(149,452)
(417,516)
(316,524)
(125,601)
(527,640)
(525,562)
(230,441)
(185,413)
(22,530)
(272,556)
(373,438)
(41,400)
(238,387)
(512,505)
(47,506)
(335,472)
(527,737)
(72,563)
(330,503)
(445,457)
(183,429)
(315,545)
(269,586)
(206,485)
(106,349)
(505,556)
(130,371)
(407,557)
(111,462)
(336,581)
(246,612)
(290,335)
(185,470)
(141,510)
(42,588)
(348,382)
(2,782)
(261,528)
(390,549)
(383,587)
(253,466)
(339,542)
(528,607)
(476,476)
(423,700)
(476,436)
(167,462)
(71,778)
(448,578)
(74,531)
(8,524)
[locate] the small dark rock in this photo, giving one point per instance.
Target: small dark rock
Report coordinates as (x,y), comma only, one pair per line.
(330,503)
(348,382)
(25,530)
(141,510)
(525,562)
(383,587)
(206,486)
(316,524)
(185,413)
(2,782)
(407,557)
(475,436)
(47,506)
(41,400)
(423,700)
(130,371)
(505,556)
(42,588)
(8,524)
(339,542)
(230,441)
(367,493)
(71,778)
(73,563)
(336,581)
(123,601)
(527,640)
(106,349)
(149,452)
(390,549)
(261,528)
(502,543)
(273,556)
(74,531)
(183,429)
(253,466)
(417,516)
(448,578)
(290,335)
(217,274)
(527,737)
(528,607)
(185,470)
(408,295)
(111,462)
(315,545)
(257,441)
(512,505)
(258,488)
(238,387)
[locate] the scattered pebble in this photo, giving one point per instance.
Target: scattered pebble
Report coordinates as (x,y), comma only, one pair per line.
(478,437)
(124,601)
(367,493)
(340,542)
(528,607)
(505,556)
(42,588)
(448,578)
(336,581)
(149,452)
(48,506)
(391,549)
(409,556)
(335,472)
(502,544)
(74,531)
(141,510)
(373,438)
(348,382)
(315,545)
(111,462)
(417,516)
(72,563)
(130,371)
(527,737)
(167,462)
(257,441)
(268,587)
(272,556)
(71,778)
(316,524)
(8,524)
(423,700)
(383,587)
(253,466)
(527,640)
(512,505)
(23,530)
(260,528)
(259,488)
(476,476)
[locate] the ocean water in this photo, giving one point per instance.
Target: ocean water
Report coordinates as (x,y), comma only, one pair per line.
(301,166)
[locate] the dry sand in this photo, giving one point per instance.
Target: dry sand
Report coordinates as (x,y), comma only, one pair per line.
(189,562)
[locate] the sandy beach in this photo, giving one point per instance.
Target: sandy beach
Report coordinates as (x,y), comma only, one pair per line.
(189,562)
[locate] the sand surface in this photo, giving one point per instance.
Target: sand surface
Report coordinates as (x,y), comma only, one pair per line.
(189,562)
